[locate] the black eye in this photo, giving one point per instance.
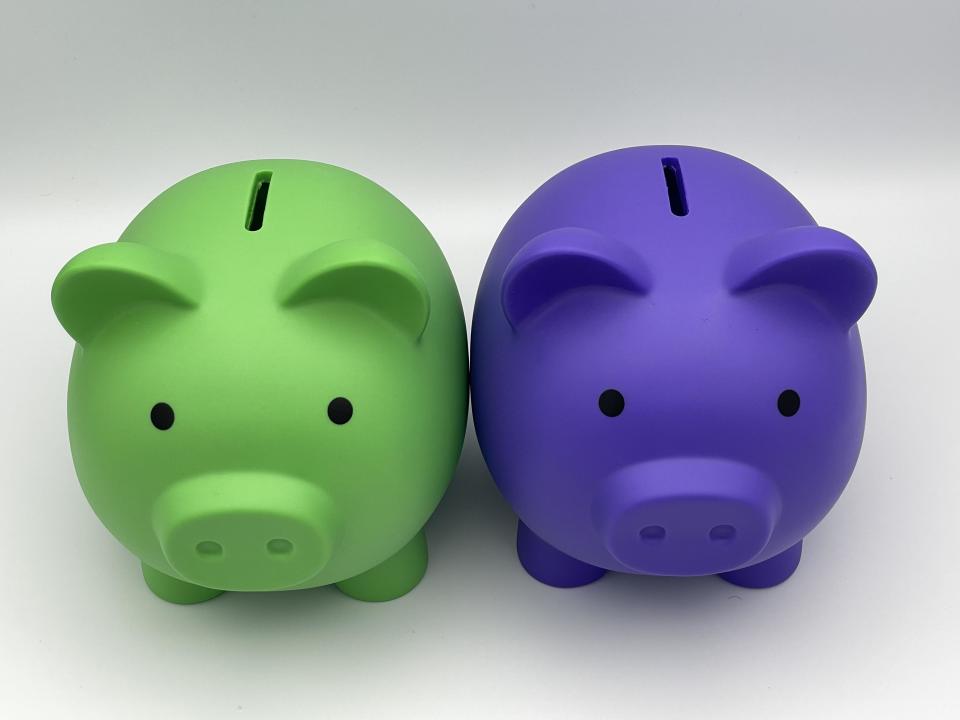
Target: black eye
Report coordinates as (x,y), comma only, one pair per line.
(611,402)
(788,403)
(161,415)
(340,410)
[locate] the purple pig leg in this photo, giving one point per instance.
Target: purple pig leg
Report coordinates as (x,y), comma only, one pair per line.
(768,573)
(550,566)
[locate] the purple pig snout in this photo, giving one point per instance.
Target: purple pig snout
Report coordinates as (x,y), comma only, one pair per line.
(686,516)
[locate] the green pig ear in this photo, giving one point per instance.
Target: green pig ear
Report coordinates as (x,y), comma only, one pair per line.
(366,272)
(107,280)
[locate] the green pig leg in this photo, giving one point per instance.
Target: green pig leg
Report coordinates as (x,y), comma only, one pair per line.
(176,591)
(393,577)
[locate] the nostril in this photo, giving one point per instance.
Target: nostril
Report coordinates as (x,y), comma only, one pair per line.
(279,546)
(653,533)
(723,533)
(209,549)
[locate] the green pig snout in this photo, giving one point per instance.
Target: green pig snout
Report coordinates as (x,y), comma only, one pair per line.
(245,531)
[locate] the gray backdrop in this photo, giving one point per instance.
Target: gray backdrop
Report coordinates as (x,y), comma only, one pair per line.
(462,110)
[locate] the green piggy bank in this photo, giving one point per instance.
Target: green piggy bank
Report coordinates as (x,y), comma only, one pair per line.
(269,387)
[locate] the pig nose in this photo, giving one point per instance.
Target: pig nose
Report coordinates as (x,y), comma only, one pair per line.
(245,531)
(686,516)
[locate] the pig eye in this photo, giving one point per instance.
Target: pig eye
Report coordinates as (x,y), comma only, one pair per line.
(611,402)
(161,415)
(788,403)
(340,410)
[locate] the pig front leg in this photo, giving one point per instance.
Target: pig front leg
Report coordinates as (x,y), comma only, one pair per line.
(768,573)
(392,578)
(174,590)
(550,566)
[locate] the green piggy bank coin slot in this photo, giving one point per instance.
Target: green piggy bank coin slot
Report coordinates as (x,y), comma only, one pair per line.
(258,200)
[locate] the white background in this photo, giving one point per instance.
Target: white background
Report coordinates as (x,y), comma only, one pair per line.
(462,110)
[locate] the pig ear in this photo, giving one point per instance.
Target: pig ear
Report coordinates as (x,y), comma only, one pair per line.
(106,280)
(563,260)
(366,272)
(829,265)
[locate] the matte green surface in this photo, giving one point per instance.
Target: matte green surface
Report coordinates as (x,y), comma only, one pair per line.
(248,335)
(176,591)
(393,578)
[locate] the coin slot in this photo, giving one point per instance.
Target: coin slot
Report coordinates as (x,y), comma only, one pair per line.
(258,201)
(675,191)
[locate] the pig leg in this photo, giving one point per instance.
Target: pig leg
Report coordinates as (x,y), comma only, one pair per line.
(176,591)
(392,578)
(768,573)
(550,566)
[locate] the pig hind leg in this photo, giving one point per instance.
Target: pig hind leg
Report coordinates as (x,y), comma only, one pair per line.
(768,573)
(392,578)
(175,590)
(551,566)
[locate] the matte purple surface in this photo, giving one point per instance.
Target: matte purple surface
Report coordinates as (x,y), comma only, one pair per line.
(700,321)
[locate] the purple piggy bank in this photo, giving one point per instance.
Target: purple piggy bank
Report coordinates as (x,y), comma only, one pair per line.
(667,372)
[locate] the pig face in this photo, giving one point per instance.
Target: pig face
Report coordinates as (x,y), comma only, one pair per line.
(254,440)
(650,412)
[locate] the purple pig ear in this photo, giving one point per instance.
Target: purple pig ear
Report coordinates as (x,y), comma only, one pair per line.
(831,266)
(566,259)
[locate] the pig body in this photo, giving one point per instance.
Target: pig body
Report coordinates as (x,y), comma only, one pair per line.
(667,375)
(269,386)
